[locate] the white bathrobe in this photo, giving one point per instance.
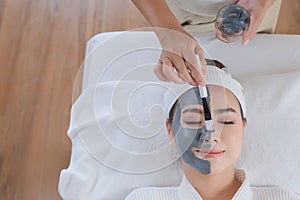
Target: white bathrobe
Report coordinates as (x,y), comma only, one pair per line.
(186,191)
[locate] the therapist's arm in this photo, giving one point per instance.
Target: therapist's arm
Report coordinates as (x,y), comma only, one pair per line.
(179,47)
(158,13)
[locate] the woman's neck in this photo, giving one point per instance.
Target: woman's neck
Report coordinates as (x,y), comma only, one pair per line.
(213,186)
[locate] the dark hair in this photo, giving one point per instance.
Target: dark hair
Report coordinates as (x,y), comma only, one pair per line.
(172,112)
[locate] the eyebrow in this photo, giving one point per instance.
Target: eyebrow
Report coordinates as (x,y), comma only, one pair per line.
(224,110)
(193,110)
(219,111)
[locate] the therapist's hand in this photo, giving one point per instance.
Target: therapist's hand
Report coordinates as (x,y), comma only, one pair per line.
(178,62)
(257,10)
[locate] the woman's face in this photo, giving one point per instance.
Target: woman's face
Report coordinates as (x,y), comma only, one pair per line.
(228,124)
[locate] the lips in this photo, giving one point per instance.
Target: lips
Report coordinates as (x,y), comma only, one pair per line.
(208,154)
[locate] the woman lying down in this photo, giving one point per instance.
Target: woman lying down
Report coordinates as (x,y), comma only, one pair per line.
(208,156)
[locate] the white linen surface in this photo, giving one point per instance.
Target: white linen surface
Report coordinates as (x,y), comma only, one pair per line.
(100,168)
(271,145)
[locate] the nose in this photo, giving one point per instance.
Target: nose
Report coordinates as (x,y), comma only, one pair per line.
(213,137)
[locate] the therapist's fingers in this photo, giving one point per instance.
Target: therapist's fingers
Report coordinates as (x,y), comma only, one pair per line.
(197,74)
(199,51)
(255,22)
(195,66)
(169,72)
(182,70)
(219,36)
(257,10)
(158,70)
(180,48)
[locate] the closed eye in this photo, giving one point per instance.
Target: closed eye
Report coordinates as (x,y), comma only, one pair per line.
(192,123)
(227,122)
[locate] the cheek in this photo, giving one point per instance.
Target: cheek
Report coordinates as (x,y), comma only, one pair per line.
(184,139)
(232,137)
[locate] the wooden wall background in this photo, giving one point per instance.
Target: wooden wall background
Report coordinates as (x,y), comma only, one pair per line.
(42,45)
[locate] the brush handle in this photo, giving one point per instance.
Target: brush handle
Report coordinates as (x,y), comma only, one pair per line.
(203,92)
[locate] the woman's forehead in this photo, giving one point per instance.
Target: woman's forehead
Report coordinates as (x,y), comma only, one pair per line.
(220,98)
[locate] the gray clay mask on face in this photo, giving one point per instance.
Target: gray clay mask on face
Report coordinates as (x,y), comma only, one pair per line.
(188,138)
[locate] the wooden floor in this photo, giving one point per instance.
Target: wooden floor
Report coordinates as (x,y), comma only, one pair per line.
(42,45)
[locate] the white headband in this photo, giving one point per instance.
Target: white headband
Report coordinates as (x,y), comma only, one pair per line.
(214,76)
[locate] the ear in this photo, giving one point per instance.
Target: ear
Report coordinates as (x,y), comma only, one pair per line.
(169,130)
(244,123)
